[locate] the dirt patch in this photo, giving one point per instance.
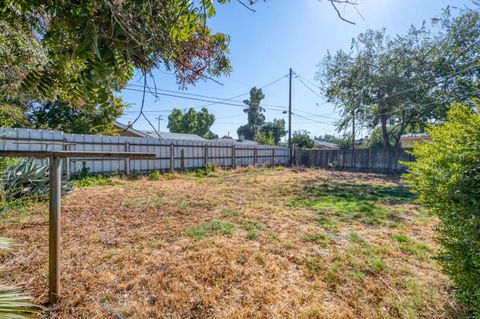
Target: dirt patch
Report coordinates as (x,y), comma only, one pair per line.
(249,243)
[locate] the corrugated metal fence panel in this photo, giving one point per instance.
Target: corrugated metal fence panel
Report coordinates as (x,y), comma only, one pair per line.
(187,154)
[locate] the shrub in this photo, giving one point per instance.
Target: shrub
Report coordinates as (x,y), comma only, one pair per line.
(154,176)
(84,171)
(446,175)
(28,178)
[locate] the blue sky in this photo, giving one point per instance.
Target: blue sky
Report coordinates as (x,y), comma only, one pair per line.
(265,44)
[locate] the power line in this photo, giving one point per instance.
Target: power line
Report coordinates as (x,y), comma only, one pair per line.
(312,120)
(309,88)
(314,114)
(203,100)
(246,93)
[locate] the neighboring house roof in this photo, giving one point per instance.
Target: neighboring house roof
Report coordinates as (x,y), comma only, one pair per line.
(237,142)
(411,135)
(174,136)
(318,144)
(122,127)
(163,135)
(409,140)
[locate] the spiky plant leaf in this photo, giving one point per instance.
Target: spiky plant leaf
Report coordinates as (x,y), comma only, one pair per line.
(14,304)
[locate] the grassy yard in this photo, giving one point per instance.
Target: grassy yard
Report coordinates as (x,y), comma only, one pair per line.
(249,243)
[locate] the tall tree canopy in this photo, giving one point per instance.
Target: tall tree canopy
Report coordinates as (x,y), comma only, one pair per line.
(192,122)
(276,129)
(255,116)
(404,83)
(90,119)
(93,46)
(302,139)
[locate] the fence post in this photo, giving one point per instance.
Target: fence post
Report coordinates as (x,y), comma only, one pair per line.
(254,156)
(292,155)
(172,157)
(54,229)
(205,157)
(234,160)
(127,160)
(182,158)
(273,156)
(67,160)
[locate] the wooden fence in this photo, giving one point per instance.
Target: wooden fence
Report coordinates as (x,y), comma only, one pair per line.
(371,160)
(170,154)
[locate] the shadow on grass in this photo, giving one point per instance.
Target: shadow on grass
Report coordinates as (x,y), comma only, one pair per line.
(366,203)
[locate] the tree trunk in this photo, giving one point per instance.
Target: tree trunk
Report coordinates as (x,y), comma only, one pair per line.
(385,135)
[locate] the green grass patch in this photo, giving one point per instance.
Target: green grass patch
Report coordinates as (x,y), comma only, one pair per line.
(145,202)
(327,223)
(92,181)
(314,264)
(356,238)
(411,246)
(230,212)
(252,234)
(317,238)
(365,203)
(211,228)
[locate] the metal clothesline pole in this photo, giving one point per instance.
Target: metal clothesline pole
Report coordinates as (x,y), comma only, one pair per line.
(54,206)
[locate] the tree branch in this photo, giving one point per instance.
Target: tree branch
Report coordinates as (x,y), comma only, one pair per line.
(338,12)
(246,5)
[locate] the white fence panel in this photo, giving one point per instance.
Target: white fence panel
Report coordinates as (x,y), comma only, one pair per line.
(187,154)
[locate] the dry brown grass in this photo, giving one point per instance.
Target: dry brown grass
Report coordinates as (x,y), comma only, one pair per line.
(244,244)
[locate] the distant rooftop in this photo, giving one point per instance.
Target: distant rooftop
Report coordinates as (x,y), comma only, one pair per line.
(238,142)
(319,143)
(173,136)
(417,135)
(160,135)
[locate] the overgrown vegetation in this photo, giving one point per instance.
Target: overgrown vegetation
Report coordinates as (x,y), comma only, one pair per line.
(446,175)
(27,178)
(242,235)
(398,84)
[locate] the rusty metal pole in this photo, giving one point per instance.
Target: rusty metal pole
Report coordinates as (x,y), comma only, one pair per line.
(55,184)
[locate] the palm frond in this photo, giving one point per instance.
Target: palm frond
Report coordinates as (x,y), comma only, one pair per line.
(15,304)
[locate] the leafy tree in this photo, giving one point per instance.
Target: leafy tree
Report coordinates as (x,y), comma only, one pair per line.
(276,129)
(345,141)
(365,82)
(265,138)
(90,119)
(192,122)
(403,83)
(12,116)
(446,176)
(20,54)
(93,46)
(256,118)
(302,139)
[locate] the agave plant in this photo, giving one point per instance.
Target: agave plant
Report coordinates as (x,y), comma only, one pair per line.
(29,178)
(14,304)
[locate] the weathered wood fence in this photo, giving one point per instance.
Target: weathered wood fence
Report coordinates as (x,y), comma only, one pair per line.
(170,154)
(371,160)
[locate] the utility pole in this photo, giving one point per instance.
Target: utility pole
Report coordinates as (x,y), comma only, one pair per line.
(159,118)
(290,117)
